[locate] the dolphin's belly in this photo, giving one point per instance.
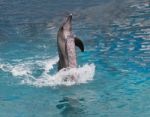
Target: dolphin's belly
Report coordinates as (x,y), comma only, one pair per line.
(70,48)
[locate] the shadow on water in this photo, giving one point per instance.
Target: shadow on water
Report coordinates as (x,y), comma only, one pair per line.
(71,107)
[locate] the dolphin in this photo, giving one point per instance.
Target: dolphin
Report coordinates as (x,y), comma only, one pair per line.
(66,42)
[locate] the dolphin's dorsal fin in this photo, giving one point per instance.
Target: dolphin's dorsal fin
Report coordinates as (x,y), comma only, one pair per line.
(79,43)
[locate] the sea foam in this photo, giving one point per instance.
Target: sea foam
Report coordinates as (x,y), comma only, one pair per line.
(25,71)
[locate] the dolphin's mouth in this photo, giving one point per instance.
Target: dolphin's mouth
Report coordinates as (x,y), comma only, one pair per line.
(69,18)
(67,24)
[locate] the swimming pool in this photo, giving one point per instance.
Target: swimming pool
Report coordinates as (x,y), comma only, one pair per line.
(114,70)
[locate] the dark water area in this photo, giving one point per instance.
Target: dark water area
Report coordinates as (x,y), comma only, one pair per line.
(114,70)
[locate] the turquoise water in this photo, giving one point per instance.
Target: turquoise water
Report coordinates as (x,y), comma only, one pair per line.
(114,70)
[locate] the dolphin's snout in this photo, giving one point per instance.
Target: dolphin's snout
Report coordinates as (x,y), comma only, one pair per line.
(70,15)
(69,18)
(67,24)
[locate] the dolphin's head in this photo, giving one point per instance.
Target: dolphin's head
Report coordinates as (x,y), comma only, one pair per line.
(66,27)
(67,23)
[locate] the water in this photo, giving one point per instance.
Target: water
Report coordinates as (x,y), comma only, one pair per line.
(113,72)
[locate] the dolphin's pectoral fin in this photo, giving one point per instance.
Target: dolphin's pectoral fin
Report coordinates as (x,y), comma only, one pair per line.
(79,43)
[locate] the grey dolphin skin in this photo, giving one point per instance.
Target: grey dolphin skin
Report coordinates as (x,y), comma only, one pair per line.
(66,43)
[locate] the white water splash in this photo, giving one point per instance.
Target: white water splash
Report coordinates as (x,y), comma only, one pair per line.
(24,70)
(84,74)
